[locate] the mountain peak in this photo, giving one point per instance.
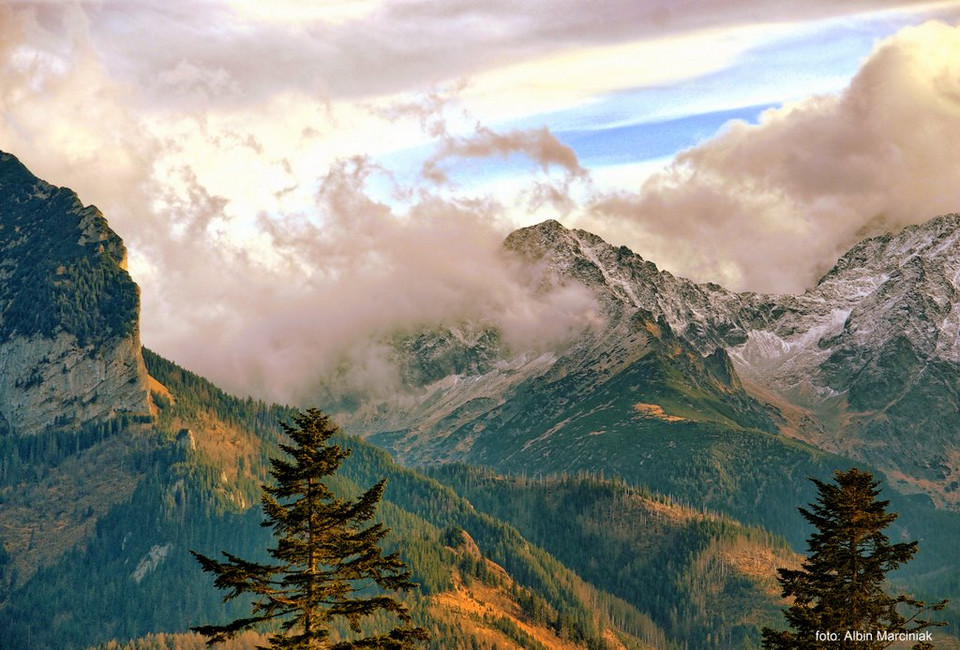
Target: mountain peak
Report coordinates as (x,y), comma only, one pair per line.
(11,169)
(69,311)
(534,242)
(943,225)
(931,239)
(64,264)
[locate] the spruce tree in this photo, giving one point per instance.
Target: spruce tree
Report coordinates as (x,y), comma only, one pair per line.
(328,564)
(840,587)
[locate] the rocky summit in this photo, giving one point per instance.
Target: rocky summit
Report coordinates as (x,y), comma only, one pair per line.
(868,358)
(69,335)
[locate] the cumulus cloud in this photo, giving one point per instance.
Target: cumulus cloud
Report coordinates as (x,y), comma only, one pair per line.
(343,288)
(60,110)
(770,207)
(274,304)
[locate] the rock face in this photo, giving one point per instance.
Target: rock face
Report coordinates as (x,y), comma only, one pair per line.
(864,364)
(871,353)
(53,383)
(69,331)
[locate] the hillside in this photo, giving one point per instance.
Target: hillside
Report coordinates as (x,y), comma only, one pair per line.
(497,533)
(197,484)
(703,578)
(861,367)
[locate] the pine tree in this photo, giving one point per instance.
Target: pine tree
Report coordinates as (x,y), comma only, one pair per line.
(328,562)
(840,587)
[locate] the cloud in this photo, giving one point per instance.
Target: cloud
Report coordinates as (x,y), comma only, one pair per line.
(770,207)
(539,145)
(362,50)
(307,294)
(60,109)
(346,286)
(263,302)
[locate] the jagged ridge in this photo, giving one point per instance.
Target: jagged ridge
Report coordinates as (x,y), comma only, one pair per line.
(861,364)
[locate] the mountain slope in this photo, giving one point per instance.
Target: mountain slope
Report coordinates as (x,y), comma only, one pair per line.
(872,354)
(195,494)
(705,579)
(639,398)
(424,514)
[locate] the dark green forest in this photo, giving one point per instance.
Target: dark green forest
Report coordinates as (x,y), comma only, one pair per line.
(641,547)
(656,572)
(63,270)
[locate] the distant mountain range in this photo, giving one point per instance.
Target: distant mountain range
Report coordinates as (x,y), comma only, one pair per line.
(649,469)
(864,365)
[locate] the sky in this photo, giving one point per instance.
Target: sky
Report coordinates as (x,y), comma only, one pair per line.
(296,182)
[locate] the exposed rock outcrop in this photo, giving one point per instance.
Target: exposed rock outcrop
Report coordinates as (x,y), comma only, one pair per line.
(55,383)
(69,312)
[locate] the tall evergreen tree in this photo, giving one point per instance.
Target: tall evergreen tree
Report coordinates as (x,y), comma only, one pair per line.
(328,562)
(839,589)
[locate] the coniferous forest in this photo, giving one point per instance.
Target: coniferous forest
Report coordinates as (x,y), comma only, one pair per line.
(659,573)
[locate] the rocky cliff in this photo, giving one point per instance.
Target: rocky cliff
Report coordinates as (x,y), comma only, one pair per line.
(69,332)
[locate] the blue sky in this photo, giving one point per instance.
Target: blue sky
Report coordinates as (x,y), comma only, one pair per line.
(652,123)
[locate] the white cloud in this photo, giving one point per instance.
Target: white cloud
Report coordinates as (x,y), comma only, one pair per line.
(567,79)
(770,206)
